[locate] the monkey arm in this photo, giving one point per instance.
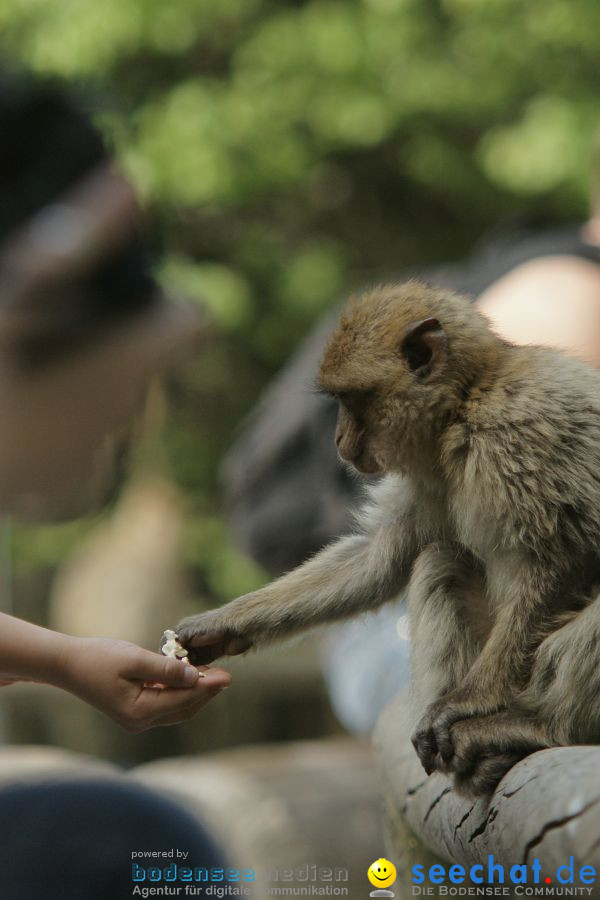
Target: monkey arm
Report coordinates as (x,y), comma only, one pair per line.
(355,574)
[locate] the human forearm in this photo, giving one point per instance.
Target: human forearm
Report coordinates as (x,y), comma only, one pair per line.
(29,652)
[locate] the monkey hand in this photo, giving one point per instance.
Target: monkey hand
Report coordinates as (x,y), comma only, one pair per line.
(215,633)
(433,737)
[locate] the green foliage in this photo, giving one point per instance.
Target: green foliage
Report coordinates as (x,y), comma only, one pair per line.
(227,572)
(45,546)
(291,151)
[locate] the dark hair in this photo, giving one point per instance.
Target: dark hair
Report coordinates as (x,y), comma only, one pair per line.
(48,144)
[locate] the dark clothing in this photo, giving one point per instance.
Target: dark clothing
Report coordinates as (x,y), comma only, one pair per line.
(73,839)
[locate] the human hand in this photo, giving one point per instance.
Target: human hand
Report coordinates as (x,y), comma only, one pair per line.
(135,687)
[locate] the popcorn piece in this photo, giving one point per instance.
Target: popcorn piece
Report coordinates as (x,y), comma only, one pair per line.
(173,649)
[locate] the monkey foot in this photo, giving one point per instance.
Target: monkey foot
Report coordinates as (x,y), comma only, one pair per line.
(477,751)
(486,748)
(432,740)
(485,773)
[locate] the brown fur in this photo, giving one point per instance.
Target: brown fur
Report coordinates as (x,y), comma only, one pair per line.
(488,510)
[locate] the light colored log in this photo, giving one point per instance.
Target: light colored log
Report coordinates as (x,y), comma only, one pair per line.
(284,806)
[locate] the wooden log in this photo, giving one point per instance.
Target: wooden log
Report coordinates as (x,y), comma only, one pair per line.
(284,806)
(547,808)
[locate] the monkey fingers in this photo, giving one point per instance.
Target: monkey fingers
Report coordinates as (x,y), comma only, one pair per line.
(206,648)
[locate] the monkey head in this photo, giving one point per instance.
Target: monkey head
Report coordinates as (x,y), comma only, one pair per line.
(398,364)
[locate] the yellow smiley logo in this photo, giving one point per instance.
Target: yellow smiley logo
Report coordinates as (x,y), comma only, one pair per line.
(382,873)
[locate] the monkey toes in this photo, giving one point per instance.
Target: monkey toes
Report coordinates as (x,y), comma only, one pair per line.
(426,741)
(433,739)
(423,740)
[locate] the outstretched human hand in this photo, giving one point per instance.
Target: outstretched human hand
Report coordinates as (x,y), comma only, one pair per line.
(137,688)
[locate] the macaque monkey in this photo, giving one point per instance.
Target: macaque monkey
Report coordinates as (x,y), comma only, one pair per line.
(487,508)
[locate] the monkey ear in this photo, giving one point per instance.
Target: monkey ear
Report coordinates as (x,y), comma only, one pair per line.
(424,346)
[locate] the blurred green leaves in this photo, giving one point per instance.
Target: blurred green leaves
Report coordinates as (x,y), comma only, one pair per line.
(220,289)
(557,135)
(219,105)
(227,572)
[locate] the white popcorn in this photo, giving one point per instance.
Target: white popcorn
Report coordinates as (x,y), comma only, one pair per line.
(173,649)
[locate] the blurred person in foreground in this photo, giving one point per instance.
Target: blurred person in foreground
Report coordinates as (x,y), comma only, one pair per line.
(288,493)
(83,330)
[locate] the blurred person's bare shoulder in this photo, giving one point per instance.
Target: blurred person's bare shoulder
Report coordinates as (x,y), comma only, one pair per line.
(552,300)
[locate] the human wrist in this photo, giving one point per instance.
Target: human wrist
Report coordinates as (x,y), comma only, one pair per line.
(33,653)
(56,659)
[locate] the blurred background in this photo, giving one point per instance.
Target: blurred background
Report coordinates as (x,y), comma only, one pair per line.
(286,153)
(289,152)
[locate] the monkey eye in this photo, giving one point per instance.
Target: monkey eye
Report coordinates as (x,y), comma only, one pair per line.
(341,396)
(355,400)
(350,399)
(323,391)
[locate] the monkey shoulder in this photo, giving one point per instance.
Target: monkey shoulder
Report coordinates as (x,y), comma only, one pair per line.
(544,407)
(523,459)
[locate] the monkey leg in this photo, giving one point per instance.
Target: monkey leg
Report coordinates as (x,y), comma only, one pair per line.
(559,706)
(449,622)
(564,686)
